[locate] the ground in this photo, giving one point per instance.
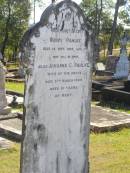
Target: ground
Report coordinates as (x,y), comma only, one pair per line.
(109,153)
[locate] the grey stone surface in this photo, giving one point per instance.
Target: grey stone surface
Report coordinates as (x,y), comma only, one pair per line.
(14,123)
(4,109)
(5,144)
(9,116)
(58,54)
(105,119)
(10,132)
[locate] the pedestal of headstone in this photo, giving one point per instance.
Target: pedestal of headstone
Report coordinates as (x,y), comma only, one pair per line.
(4,109)
(58,54)
(122,67)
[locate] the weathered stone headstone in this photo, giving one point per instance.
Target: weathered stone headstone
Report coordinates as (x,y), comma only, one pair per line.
(58,54)
(111,63)
(4,109)
(122,67)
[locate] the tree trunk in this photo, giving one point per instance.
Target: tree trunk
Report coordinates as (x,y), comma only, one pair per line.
(6,33)
(111,41)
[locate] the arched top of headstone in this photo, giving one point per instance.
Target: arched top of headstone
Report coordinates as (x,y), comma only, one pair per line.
(57,17)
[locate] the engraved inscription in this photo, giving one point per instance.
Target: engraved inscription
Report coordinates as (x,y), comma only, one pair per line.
(64,65)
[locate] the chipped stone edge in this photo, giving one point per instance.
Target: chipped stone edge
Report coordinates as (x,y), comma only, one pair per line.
(53,7)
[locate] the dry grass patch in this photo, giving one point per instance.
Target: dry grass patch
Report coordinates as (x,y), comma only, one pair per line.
(110,152)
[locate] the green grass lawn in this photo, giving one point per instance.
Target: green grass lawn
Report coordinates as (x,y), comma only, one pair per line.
(15,86)
(12,66)
(116,52)
(121,107)
(10,159)
(109,153)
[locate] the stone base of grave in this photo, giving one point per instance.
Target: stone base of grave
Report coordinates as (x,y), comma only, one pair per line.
(5,111)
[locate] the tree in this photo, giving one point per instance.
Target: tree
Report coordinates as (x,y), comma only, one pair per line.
(14,16)
(34,3)
(93,10)
(124,14)
(119,3)
(97,13)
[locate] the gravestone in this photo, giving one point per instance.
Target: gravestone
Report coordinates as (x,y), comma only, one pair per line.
(122,67)
(58,53)
(111,63)
(4,109)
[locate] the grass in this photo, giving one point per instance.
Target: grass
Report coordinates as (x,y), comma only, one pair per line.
(116,52)
(10,159)
(12,66)
(15,86)
(121,107)
(109,153)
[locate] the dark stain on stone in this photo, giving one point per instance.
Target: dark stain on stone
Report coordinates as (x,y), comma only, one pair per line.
(84,169)
(34,127)
(68,164)
(35,146)
(31,89)
(37,33)
(87,39)
(84,146)
(35,161)
(70,131)
(35,111)
(81,116)
(62,26)
(57,164)
(42,134)
(40,127)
